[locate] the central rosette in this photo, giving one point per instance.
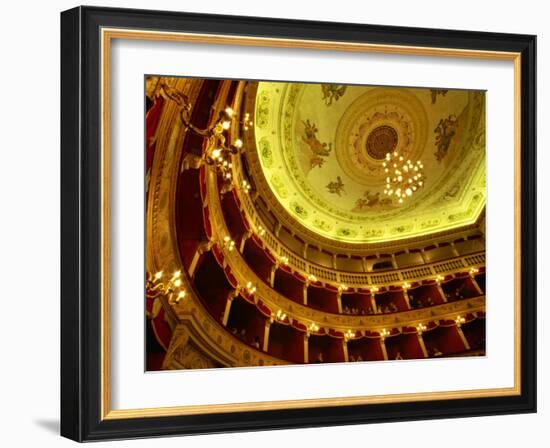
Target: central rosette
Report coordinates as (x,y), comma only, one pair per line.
(381,141)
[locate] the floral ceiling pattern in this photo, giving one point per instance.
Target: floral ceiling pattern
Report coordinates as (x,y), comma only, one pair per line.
(322,150)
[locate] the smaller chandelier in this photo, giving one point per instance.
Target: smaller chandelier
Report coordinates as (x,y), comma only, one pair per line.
(403,177)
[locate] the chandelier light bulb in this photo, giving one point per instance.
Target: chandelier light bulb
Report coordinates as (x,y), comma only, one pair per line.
(403,177)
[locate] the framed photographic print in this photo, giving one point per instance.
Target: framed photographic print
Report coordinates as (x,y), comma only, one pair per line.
(276,224)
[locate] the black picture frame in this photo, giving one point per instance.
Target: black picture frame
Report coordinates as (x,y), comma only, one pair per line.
(81,211)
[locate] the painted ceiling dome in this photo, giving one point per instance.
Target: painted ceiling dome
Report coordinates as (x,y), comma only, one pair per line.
(327,152)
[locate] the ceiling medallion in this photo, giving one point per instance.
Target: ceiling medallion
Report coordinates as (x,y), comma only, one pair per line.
(381,141)
(403,177)
(378,121)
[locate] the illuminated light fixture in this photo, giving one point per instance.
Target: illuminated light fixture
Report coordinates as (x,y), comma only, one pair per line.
(384,333)
(312,278)
(406,285)
(439,279)
(228,243)
(246,187)
(474,271)
(261,231)
(342,288)
(217,153)
(374,289)
(280,316)
(171,289)
(313,327)
(459,320)
(403,177)
(421,328)
(250,288)
(349,335)
(246,122)
(179,297)
(284,260)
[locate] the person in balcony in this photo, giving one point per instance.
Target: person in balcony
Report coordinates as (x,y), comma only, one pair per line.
(256,342)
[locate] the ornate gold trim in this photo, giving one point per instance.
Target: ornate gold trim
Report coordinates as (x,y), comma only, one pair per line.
(107,35)
(304,404)
(105,224)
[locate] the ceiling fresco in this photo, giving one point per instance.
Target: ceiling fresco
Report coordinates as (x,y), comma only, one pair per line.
(323,152)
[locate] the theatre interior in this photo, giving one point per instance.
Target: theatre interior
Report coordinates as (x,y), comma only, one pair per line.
(309,223)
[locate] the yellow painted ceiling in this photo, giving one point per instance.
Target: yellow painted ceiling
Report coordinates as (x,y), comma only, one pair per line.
(322,147)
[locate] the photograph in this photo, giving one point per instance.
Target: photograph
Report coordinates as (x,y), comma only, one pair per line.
(310,223)
(275,224)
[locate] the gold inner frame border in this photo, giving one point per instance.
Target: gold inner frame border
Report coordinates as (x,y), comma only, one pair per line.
(107,36)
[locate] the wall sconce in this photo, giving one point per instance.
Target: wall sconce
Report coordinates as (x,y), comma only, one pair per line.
(384,333)
(218,153)
(280,316)
(459,320)
(313,327)
(421,328)
(348,335)
(342,288)
(228,243)
(246,121)
(169,288)
(261,231)
(250,288)
(245,187)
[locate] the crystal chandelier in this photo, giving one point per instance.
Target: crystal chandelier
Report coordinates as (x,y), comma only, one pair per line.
(403,177)
(218,152)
